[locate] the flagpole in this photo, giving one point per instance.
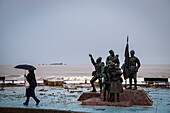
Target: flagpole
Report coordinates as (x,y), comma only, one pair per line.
(126,69)
(126,79)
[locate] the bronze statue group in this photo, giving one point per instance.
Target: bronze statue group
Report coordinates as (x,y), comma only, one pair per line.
(110,74)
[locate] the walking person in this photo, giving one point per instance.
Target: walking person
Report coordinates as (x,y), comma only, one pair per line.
(30,91)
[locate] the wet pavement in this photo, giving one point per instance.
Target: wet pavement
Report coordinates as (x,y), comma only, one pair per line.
(66,99)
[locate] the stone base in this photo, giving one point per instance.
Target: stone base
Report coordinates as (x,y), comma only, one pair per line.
(97,101)
(88,95)
(127,98)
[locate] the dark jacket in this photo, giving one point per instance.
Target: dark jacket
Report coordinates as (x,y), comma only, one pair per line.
(31,79)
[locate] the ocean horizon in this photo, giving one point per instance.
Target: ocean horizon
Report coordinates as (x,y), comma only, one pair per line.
(78,72)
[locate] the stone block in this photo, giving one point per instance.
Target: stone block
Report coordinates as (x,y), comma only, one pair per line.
(127,98)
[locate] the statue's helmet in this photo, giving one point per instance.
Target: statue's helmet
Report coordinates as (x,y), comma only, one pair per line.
(111,52)
(132,52)
(117,55)
(99,59)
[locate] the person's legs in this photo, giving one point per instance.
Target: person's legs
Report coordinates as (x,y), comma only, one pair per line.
(36,99)
(108,92)
(104,94)
(112,97)
(27,100)
(118,97)
(130,81)
(33,95)
(92,83)
(135,81)
(100,84)
(27,95)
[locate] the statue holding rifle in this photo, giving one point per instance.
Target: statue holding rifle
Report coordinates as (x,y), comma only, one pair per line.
(130,67)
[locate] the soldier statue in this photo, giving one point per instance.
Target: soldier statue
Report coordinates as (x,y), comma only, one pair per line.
(115,81)
(106,83)
(114,58)
(134,64)
(97,74)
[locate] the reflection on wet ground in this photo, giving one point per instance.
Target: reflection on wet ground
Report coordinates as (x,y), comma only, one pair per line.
(66,99)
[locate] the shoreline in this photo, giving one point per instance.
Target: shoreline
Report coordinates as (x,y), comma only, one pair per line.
(74,80)
(84,85)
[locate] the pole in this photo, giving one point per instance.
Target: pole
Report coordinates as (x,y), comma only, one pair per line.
(25,79)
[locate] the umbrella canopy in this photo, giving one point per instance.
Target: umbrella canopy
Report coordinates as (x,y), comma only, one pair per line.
(26,67)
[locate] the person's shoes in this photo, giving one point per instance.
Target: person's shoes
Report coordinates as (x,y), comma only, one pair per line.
(37,102)
(129,88)
(93,90)
(25,104)
(112,100)
(135,88)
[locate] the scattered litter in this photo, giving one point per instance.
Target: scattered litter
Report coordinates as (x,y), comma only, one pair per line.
(43,90)
(73,91)
(42,93)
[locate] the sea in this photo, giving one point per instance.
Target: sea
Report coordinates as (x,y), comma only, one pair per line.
(77,72)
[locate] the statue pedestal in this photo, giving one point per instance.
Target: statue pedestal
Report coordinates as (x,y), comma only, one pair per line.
(127,98)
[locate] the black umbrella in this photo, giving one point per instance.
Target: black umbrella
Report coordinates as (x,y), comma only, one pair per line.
(26,67)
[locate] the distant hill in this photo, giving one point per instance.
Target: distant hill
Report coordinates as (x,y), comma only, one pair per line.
(56,64)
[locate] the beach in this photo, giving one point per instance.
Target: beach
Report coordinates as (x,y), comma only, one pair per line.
(77,72)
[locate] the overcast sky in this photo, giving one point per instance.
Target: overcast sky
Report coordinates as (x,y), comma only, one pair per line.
(48,31)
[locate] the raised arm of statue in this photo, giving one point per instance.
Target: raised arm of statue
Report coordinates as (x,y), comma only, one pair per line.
(92,60)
